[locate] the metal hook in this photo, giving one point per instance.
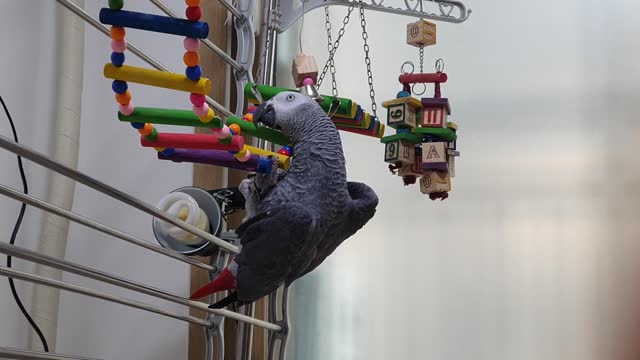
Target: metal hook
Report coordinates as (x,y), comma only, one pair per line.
(335,103)
(439,65)
(256,93)
(413,89)
(407,63)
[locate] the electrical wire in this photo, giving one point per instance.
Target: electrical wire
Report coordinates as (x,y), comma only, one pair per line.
(14,235)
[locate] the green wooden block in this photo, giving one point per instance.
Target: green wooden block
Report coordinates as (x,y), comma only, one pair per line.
(345,109)
(168,117)
(402,136)
(441,133)
(261,132)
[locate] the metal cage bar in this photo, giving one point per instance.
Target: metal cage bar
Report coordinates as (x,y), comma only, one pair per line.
(95,184)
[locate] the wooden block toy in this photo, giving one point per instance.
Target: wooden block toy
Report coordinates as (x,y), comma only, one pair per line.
(413,169)
(435,112)
(304,66)
(399,151)
(442,134)
(435,182)
(421,33)
(401,112)
(434,156)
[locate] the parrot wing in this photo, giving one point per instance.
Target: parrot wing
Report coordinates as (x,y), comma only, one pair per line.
(276,244)
(363,206)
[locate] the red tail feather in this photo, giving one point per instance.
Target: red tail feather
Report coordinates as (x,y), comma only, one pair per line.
(224,281)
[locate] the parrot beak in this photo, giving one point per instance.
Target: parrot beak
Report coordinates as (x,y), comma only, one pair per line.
(265,114)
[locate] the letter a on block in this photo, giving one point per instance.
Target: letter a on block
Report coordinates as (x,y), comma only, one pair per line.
(433,153)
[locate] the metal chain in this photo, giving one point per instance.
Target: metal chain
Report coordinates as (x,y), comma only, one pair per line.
(332,65)
(367,59)
(421,47)
(345,21)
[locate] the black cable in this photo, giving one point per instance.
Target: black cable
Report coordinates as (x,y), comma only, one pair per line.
(14,234)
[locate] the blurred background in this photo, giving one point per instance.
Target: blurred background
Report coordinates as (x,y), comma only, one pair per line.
(535,255)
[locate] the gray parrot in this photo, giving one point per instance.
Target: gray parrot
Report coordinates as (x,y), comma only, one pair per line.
(302,218)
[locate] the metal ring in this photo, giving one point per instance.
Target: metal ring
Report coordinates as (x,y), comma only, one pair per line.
(413,89)
(407,63)
(439,65)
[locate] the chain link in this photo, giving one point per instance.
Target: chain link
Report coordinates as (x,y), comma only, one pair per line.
(332,52)
(332,65)
(367,59)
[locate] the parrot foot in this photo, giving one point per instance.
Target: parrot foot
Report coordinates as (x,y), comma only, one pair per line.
(232,299)
(265,181)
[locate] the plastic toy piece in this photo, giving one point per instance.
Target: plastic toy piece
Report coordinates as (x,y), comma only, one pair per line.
(399,151)
(435,182)
(439,133)
(219,158)
(401,136)
(434,156)
(156,23)
(284,162)
(424,78)
(168,117)
(435,112)
(401,112)
(193,141)
(261,132)
(156,78)
(421,33)
(303,67)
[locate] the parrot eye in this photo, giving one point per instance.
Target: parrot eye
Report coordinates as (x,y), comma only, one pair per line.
(290,97)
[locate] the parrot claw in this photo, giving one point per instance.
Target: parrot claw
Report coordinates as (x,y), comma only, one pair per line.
(265,181)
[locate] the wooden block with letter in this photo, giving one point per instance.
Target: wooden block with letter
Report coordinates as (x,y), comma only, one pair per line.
(421,33)
(304,66)
(435,112)
(401,112)
(434,182)
(434,156)
(399,151)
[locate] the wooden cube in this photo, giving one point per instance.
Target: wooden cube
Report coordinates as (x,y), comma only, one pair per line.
(421,33)
(435,112)
(435,181)
(413,169)
(401,112)
(399,151)
(434,156)
(304,66)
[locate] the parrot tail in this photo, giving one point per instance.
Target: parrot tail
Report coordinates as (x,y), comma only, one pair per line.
(224,281)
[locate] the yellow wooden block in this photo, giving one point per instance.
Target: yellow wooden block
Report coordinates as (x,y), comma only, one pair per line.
(421,33)
(435,181)
(413,102)
(304,66)
(451,125)
(157,78)
(284,163)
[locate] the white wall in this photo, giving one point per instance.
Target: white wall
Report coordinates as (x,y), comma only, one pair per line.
(522,261)
(110,152)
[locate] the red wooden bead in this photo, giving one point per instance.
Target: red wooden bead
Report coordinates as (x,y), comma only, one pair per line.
(193,13)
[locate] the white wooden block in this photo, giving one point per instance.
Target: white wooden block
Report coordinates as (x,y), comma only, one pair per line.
(434,156)
(435,181)
(399,150)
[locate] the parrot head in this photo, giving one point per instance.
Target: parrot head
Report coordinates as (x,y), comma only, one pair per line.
(289,112)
